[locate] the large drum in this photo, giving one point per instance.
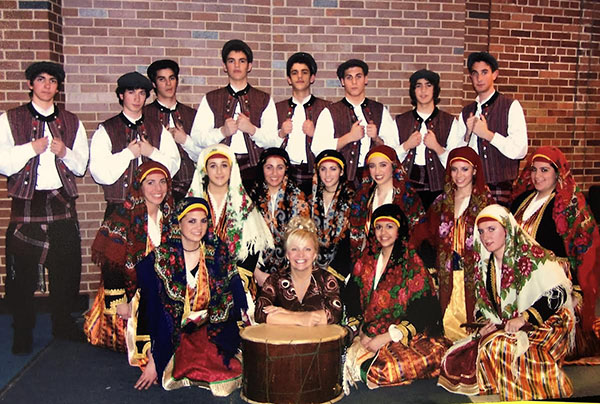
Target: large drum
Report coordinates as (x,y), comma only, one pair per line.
(292,364)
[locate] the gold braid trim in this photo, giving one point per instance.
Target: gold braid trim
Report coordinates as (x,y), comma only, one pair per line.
(536,315)
(336,274)
(120,293)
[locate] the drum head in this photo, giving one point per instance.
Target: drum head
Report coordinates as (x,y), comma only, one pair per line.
(292,334)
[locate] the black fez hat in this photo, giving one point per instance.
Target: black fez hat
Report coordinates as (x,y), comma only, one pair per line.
(53,69)
(428,75)
(274,151)
(304,58)
(162,64)
(134,80)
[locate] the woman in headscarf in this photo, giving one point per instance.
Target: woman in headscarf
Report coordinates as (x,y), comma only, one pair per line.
(330,209)
(194,298)
(400,339)
(299,293)
(125,237)
(236,219)
(279,200)
(524,314)
(383,182)
(548,204)
(450,227)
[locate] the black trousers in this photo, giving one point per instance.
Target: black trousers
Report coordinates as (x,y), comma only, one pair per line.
(63,263)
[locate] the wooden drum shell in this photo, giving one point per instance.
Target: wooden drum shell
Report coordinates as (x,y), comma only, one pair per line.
(290,364)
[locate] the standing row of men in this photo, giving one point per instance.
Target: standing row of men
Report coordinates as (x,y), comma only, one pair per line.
(43,147)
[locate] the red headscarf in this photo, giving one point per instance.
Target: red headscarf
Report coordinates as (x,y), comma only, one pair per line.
(574,222)
(470,156)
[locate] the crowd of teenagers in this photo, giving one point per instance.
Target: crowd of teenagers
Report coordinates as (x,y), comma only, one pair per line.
(416,234)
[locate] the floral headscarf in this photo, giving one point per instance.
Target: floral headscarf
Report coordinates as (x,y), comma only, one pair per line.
(528,271)
(574,222)
(244,231)
(122,238)
(331,226)
(404,280)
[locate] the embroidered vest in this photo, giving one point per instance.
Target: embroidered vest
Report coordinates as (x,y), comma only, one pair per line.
(252,103)
(343,117)
(312,109)
(440,123)
(27,125)
(497,167)
(184,115)
(121,132)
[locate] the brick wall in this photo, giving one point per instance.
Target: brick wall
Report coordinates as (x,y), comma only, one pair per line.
(101,39)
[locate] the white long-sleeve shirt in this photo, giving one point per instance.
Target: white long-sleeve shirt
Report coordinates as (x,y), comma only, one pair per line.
(14,157)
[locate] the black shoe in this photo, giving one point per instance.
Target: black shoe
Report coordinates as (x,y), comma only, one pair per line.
(69,331)
(22,342)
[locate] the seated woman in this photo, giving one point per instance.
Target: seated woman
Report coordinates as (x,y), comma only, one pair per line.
(384,182)
(300,293)
(330,209)
(236,219)
(194,297)
(548,204)
(279,200)
(126,236)
(400,339)
(525,315)
(449,227)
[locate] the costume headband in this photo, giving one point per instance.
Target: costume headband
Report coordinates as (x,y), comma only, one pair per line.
(461,159)
(543,157)
(486,218)
(151,170)
(331,158)
(216,153)
(387,219)
(193,206)
(379,154)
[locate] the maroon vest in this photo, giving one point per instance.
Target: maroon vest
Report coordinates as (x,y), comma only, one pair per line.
(253,102)
(184,115)
(440,123)
(312,109)
(121,132)
(343,118)
(497,167)
(27,125)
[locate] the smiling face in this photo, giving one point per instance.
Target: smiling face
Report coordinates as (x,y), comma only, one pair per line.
(301,252)
(274,171)
(193,226)
(154,189)
(543,177)
(493,236)
(166,84)
(44,88)
(424,92)
(219,171)
(386,233)
(330,173)
(462,174)
(381,170)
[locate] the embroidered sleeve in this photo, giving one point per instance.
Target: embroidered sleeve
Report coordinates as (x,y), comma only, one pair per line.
(546,306)
(266,297)
(332,303)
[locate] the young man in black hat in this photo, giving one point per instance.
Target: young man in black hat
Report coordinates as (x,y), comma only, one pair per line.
(176,117)
(355,123)
(123,142)
(238,115)
(494,126)
(42,149)
(297,125)
(423,135)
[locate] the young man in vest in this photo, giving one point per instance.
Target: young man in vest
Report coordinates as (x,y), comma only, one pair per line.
(423,134)
(297,116)
(123,142)
(42,149)
(238,115)
(494,126)
(176,117)
(355,123)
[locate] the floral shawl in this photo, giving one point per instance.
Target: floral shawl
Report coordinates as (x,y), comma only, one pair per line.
(574,222)
(405,197)
(528,271)
(244,230)
(163,282)
(331,226)
(404,281)
(290,202)
(439,228)
(121,241)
